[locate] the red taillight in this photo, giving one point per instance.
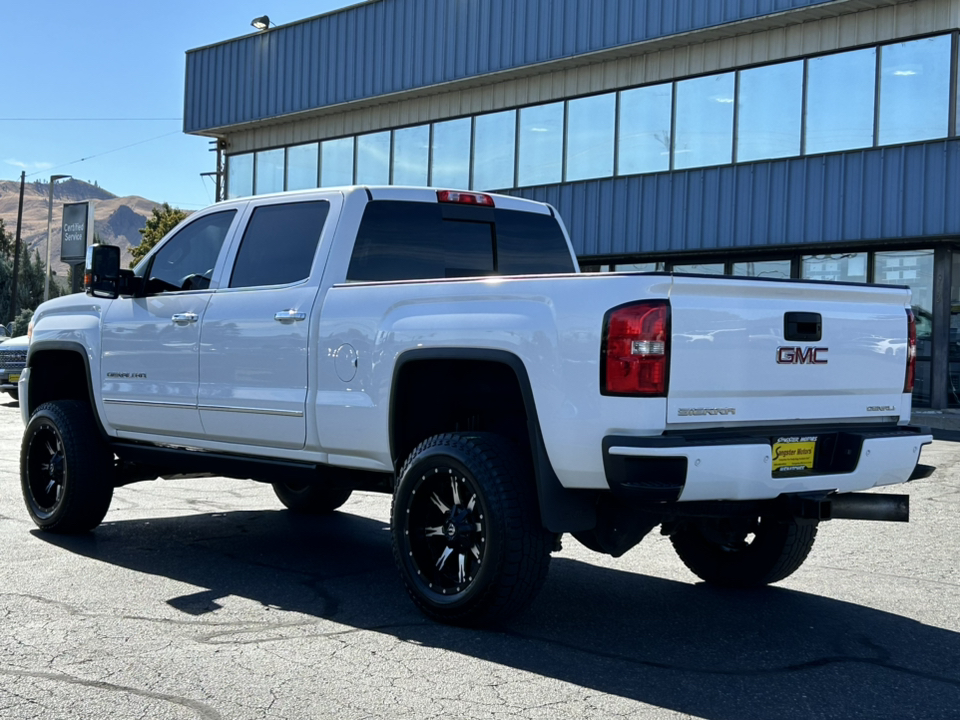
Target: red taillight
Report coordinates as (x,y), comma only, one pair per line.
(636,349)
(464,198)
(911,352)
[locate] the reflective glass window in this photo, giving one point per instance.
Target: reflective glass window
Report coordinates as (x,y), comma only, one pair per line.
(269,172)
(840,100)
(705,269)
(839,267)
(239,175)
(639,267)
(763,269)
(451,154)
(373,159)
(914,90)
(913,268)
(494,150)
(644,137)
(302,165)
(336,162)
(704,122)
(590,124)
(411,155)
(770,106)
(540,155)
(953,379)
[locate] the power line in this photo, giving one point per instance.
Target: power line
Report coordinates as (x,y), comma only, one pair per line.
(46,171)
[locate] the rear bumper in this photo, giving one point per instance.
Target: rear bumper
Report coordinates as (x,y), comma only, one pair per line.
(714,466)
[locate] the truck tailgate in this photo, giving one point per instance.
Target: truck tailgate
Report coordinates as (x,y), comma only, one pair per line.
(746,351)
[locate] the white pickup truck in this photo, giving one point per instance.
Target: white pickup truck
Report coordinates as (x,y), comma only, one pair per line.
(441,346)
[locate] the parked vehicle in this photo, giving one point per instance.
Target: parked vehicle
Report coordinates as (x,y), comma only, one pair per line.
(13,358)
(442,346)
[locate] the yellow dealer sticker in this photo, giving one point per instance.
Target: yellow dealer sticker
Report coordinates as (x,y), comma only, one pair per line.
(13,379)
(793,454)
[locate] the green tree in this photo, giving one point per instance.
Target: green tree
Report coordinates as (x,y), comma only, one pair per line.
(6,242)
(21,322)
(163,219)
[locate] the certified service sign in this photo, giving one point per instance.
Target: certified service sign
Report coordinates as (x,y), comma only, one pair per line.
(77,231)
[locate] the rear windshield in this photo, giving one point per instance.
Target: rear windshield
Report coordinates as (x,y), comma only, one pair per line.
(401,240)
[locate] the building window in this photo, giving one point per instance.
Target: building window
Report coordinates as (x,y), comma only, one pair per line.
(700,269)
(411,155)
(373,158)
(914,90)
(953,378)
(913,268)
(590,125)
(336,162)
(841,267)
(239,176)
(269,172)
(704,122)
(495,140)
(303,162)
(763,269)
(644,129)
(450,163)
(540,155)
(770,104)
(639,267)
(840,100)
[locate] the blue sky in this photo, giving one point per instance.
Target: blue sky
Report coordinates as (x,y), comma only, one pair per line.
(95,89)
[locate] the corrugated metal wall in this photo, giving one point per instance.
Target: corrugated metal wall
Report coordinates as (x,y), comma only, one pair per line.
(877,194)
(395,45)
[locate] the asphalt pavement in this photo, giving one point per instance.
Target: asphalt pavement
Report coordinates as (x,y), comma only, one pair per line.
(205,599)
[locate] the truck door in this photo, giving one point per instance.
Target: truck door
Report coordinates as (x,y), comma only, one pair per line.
(254,339)
(151,343)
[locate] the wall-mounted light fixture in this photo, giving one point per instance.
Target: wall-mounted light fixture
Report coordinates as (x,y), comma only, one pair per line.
(261,23)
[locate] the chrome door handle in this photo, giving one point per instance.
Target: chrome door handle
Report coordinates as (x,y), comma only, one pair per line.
(184,318)
(289,316)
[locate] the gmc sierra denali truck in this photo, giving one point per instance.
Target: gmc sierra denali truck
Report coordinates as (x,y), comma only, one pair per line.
(442,346)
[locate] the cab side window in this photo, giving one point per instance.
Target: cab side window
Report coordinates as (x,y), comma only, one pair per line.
(186,261)
(279,244)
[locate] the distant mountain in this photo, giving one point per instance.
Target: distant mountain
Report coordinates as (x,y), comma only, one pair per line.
(117,220)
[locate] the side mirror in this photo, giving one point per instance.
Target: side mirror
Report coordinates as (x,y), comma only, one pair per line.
(101,276)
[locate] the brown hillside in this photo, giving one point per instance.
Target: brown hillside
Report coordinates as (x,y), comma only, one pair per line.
(116,219)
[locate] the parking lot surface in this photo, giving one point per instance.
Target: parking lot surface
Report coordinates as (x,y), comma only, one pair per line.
(205,599)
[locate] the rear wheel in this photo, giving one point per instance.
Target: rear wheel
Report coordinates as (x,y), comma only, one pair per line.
(66,468)
(311,499)
(735,553)
(467,536)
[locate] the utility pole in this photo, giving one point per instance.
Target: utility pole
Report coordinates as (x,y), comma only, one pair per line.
(16,249)
(46,277)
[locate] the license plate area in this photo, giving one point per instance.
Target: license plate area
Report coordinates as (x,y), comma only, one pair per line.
(794,455)
(822,454)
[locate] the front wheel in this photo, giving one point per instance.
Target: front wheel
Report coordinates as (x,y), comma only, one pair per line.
(743,553)
(466,528)
(66,468)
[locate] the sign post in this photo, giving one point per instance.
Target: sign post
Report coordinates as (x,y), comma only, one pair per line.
(77,233)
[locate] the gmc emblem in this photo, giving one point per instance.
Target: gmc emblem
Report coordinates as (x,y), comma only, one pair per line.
(801,356)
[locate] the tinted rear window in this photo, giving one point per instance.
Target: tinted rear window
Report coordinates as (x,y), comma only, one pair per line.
(279,244)
(417,241)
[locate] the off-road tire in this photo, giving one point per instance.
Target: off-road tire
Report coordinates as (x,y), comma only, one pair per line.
(777,549)
(311,499)
(66,468)
(494,561)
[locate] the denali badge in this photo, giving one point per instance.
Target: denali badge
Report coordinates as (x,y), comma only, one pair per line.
(134,376)
(801,356)
(881,408)
(689,412)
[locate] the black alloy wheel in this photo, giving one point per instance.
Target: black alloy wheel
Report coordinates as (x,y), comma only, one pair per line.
(467,536)
(66,468)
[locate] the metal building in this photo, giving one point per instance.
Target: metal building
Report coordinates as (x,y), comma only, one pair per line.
(781,138)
